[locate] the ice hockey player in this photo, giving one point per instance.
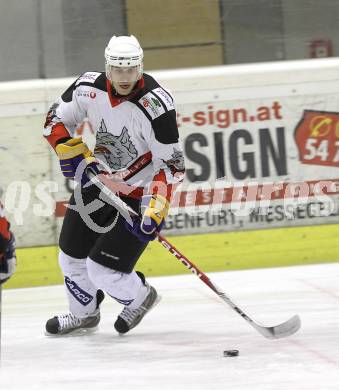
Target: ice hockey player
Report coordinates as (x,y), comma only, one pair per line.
(134,122)
(7,248)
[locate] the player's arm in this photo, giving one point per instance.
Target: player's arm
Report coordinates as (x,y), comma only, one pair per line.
(169,161)
(64,116)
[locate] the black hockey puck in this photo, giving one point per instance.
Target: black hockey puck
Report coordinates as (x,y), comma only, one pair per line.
(231,352)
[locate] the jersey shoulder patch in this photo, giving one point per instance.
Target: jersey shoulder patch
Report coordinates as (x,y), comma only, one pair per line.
(88,77)
(92,79)
(154,100)
(151,104)
(165,97)
(158,106)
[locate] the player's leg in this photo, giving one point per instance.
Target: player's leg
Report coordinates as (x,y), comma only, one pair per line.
(83,298)
(111,268)
(76,241)
(131,290)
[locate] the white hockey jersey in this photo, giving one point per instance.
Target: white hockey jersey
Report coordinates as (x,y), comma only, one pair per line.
(136,136)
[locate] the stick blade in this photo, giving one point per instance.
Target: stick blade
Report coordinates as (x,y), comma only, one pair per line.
(280,331)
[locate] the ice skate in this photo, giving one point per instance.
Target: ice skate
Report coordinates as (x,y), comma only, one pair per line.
(130,318)
(68,323)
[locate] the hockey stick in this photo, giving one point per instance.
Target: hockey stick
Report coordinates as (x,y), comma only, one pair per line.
(282,330)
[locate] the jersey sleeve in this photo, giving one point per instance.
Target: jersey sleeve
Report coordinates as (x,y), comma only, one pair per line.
(164,142)
(7,248)
(65,114)
(169,169)
(4,229)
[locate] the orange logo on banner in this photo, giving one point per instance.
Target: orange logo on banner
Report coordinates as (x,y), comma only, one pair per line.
(317,138)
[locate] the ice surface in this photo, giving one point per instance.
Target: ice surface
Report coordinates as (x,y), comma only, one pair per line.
(180,344)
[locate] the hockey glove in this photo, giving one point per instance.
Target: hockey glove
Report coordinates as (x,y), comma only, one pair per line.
(71,154)
(154,209)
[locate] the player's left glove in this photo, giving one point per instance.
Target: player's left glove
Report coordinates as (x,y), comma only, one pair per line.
(154,209)
(71,154)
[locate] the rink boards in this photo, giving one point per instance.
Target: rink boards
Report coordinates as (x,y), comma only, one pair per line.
(210,252)
(261,145)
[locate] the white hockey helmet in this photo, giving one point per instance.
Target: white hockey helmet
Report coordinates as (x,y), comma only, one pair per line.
(124,59)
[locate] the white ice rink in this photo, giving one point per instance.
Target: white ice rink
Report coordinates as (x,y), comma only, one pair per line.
(180,344)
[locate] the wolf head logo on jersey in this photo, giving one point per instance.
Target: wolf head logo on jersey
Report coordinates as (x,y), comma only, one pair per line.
(118,152)
(176,163)
(52,116)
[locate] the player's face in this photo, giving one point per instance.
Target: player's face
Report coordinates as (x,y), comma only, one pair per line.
(124,79)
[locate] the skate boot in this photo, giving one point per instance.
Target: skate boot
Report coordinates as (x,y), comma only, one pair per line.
(129,318)
(67,323)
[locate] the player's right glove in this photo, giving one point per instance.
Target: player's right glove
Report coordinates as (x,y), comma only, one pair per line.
(154,209)
(71,154)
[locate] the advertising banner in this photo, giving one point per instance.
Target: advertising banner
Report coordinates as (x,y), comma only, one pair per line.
(259,156)
(256,163)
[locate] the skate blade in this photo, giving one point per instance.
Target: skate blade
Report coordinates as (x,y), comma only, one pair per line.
(74,333)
